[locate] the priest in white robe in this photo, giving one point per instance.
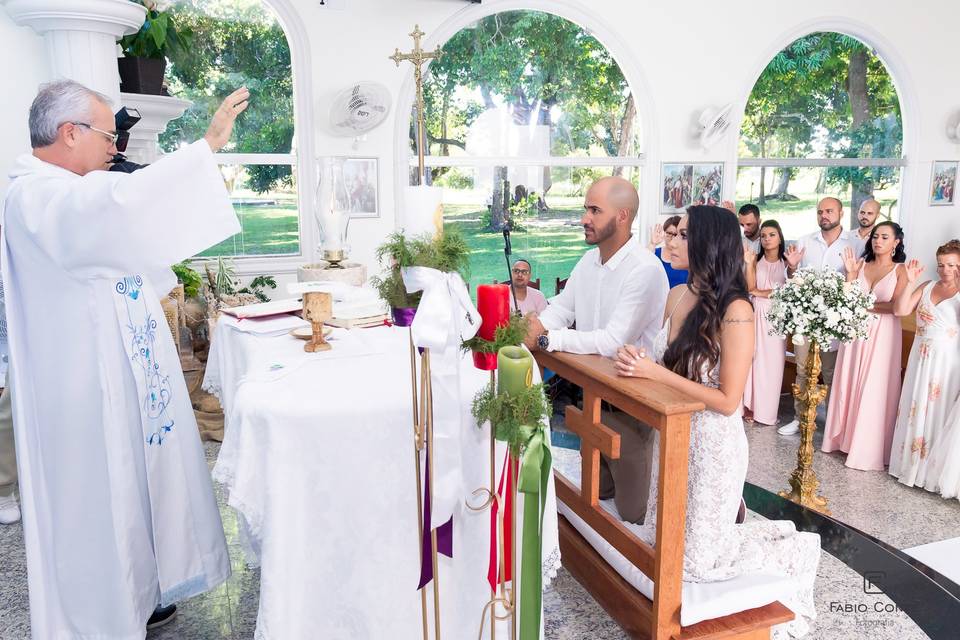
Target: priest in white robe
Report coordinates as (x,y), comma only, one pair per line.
(119,514)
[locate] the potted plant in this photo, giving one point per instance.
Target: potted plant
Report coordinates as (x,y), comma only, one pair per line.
(446,251)
(145,52)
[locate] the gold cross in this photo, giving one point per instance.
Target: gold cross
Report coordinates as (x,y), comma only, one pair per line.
(418,57)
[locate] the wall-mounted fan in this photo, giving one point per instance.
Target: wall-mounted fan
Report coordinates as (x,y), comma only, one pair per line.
(359,108)
(953,127)
(714,123)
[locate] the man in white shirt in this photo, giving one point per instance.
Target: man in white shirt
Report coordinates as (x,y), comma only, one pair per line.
(823,248)
(529,300)
(615,295)
(867,218)
(616,292)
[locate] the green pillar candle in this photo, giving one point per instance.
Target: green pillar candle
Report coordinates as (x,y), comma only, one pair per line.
(514,370)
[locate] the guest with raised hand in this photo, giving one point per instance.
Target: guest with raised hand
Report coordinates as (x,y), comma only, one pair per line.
(704,349)
(765,271)
(821,249)
(862,410)
(932,382)
(663,234)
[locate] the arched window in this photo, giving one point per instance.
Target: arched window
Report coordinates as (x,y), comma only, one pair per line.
(524,110)
(823,119)
(240,43)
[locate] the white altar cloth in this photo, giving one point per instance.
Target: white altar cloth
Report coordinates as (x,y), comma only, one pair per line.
(318,459)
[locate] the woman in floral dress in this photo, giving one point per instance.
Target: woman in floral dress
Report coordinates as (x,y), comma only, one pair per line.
(931,386)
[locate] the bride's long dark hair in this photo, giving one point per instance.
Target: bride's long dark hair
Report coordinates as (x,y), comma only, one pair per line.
(715,256)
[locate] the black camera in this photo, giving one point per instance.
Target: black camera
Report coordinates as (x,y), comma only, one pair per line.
(124,121)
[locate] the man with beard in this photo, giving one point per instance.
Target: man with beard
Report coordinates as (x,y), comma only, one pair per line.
(616,296)
(749,216)
(820,249)
(869,212)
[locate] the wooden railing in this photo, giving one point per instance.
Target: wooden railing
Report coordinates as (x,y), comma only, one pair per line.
(668,411)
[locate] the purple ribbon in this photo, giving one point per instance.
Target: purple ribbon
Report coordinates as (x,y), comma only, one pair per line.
(403,316)
(444,534)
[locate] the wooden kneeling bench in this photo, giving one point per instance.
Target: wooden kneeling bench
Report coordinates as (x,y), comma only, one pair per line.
(669,412)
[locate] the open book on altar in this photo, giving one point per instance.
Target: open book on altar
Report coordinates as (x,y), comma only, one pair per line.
(261,309)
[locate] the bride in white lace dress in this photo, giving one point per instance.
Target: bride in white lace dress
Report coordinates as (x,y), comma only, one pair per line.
(705,349)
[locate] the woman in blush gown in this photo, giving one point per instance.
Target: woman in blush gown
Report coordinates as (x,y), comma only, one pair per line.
(866,383)
(765,271)
(704,350)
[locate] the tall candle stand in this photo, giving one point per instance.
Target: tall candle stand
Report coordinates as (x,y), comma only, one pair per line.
(423,440)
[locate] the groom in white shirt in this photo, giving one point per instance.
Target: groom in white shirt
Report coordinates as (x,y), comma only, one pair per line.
(615,295)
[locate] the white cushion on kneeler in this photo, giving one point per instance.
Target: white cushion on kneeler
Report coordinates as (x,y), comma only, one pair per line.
(699,600)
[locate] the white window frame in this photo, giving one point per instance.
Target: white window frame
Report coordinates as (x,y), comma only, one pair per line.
(302,158)
(590,21)
(911,181)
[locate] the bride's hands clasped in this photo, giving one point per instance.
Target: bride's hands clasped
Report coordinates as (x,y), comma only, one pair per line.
(632,362)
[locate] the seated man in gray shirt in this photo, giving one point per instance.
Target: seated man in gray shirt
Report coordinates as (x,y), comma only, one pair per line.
(615,295)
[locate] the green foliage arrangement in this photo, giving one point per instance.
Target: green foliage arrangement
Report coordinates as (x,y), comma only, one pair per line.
(447,252)
(189,278)
(523,211)
(512,415)
(159,36)
(257,286)
(224,281)
(511,335)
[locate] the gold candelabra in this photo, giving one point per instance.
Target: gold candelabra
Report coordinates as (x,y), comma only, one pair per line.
(803,480)
(418,57)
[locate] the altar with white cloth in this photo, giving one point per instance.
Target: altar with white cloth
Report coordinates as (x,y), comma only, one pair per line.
(318,460)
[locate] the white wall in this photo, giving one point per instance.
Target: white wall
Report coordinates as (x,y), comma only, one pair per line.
(718,48)
(23,61)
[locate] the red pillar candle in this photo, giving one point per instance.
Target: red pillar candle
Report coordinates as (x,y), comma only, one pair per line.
(493,303)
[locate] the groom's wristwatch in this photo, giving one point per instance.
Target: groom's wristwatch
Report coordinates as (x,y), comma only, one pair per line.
(543,342)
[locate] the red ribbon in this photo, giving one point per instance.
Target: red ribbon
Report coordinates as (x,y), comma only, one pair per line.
(508,474)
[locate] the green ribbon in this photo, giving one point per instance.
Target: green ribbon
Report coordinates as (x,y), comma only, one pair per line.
(535,464)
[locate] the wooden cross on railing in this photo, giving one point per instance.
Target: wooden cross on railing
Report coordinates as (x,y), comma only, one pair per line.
(418,57)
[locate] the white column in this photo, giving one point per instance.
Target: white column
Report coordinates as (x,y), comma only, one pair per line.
(156,112)
(81,37)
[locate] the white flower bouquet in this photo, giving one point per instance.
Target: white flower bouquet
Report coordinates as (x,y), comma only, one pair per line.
(820,306)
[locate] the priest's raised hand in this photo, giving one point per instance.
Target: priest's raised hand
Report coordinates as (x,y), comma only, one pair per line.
(221,126)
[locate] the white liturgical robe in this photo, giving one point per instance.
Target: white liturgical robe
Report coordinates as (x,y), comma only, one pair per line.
(118,507)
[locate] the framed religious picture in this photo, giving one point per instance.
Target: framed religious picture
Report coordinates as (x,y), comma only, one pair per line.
(361,181)
(707,183)
(677,182)
(942,182)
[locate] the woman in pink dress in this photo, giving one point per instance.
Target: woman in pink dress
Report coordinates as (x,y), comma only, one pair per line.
(866,383)
(931,387)
(766,271)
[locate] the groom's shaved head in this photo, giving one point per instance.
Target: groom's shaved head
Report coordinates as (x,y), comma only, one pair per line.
(620,193)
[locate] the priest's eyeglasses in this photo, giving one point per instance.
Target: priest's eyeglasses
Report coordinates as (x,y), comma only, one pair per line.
(111,136)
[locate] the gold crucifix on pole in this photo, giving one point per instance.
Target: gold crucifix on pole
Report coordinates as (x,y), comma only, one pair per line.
(418,57)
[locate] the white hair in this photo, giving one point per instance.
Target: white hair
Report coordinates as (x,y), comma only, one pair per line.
(57,103)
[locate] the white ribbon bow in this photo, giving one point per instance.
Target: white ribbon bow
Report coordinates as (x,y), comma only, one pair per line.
(445,317)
